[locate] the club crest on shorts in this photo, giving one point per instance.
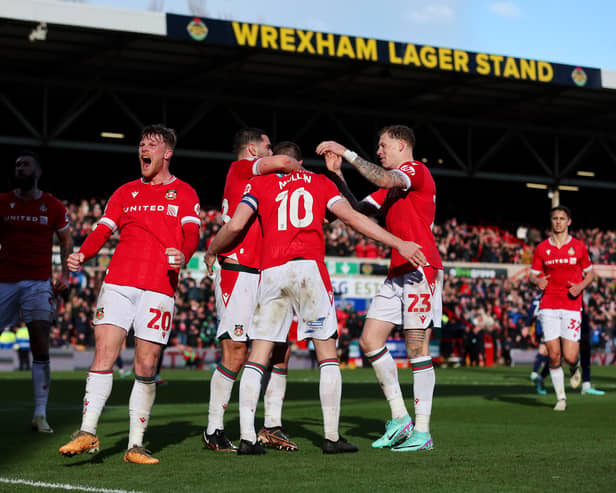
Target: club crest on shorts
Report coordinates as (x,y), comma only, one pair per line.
(239,330)
(99,314)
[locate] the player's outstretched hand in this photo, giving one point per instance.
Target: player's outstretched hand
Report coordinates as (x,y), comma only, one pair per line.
(74,261)
(175,258)
(333,162)
(411,251)
(209,260)
(330,146)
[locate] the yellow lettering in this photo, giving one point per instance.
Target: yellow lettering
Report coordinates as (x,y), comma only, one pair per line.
(545,72)
(483,66)
(445,59)
(345,48)
(511,68)
(287,39)
(428,56)
(528,69)
(460,61)
(305,42)
(393,57)
(269,37)
(411,56)
(325,41)
(245,34)
(366,49)
(497,60)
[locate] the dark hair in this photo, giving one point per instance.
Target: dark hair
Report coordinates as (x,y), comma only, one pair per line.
(401,132)
(245,136)
(31,154)
(563,208)
(288,148)
(167,134)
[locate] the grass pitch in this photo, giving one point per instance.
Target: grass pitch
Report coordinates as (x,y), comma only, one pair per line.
(492,433)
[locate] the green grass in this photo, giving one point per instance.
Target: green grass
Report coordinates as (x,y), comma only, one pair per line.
(492,433)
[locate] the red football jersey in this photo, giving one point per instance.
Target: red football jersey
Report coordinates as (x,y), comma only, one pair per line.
(248,251)
(564,265)
(26,236)
(409,215)
(291,209)
(150,219)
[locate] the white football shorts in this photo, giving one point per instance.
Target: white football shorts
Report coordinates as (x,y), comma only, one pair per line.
(236,298)
(300,286)
(565,324)
(26,300)
(413,300)
(149,313)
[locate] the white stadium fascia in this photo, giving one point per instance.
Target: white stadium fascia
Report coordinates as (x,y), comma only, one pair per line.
(83,15)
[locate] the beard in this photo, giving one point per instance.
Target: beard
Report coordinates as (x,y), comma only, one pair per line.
(24,183)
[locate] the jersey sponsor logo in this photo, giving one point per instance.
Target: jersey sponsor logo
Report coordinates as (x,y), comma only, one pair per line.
(171,194)
(134,194)
(238,330)
(407,168)
(555,261)
(172,210)
(100,313)
(144,208)
(27,219)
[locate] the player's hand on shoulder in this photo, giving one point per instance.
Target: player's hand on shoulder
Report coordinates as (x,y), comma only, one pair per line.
(74,261)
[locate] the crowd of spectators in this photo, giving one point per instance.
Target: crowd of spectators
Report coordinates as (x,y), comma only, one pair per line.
(473,308)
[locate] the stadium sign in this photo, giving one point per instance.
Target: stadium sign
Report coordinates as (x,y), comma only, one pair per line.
(321,44)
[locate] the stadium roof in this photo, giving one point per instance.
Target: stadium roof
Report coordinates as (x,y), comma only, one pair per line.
(485,124)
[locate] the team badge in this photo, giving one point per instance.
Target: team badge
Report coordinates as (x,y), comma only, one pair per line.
(43,208)
(197,30)
(239,330)
(571,251)
(579,76)
(100,313)
(171,194)
(197,208)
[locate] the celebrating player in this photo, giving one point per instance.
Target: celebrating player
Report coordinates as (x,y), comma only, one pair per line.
(158,220)
(561,268)
(411,295)
(294,278)
(29,218)
(236,289)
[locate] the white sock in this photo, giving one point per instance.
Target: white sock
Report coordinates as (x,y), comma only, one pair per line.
(41,379)
(98,390)
(274,397)
(139,407)
(586,385)
(330,392)
(387,375)
(424,380)
(558,381)
(221,386)
(250,386)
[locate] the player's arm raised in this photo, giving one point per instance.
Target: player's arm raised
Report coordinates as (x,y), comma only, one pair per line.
(228,233)
(374,173)
(411,251)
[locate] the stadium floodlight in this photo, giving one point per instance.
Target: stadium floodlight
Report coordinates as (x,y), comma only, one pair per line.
(589,174)
(112,135)
(569,188)
(539,186)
